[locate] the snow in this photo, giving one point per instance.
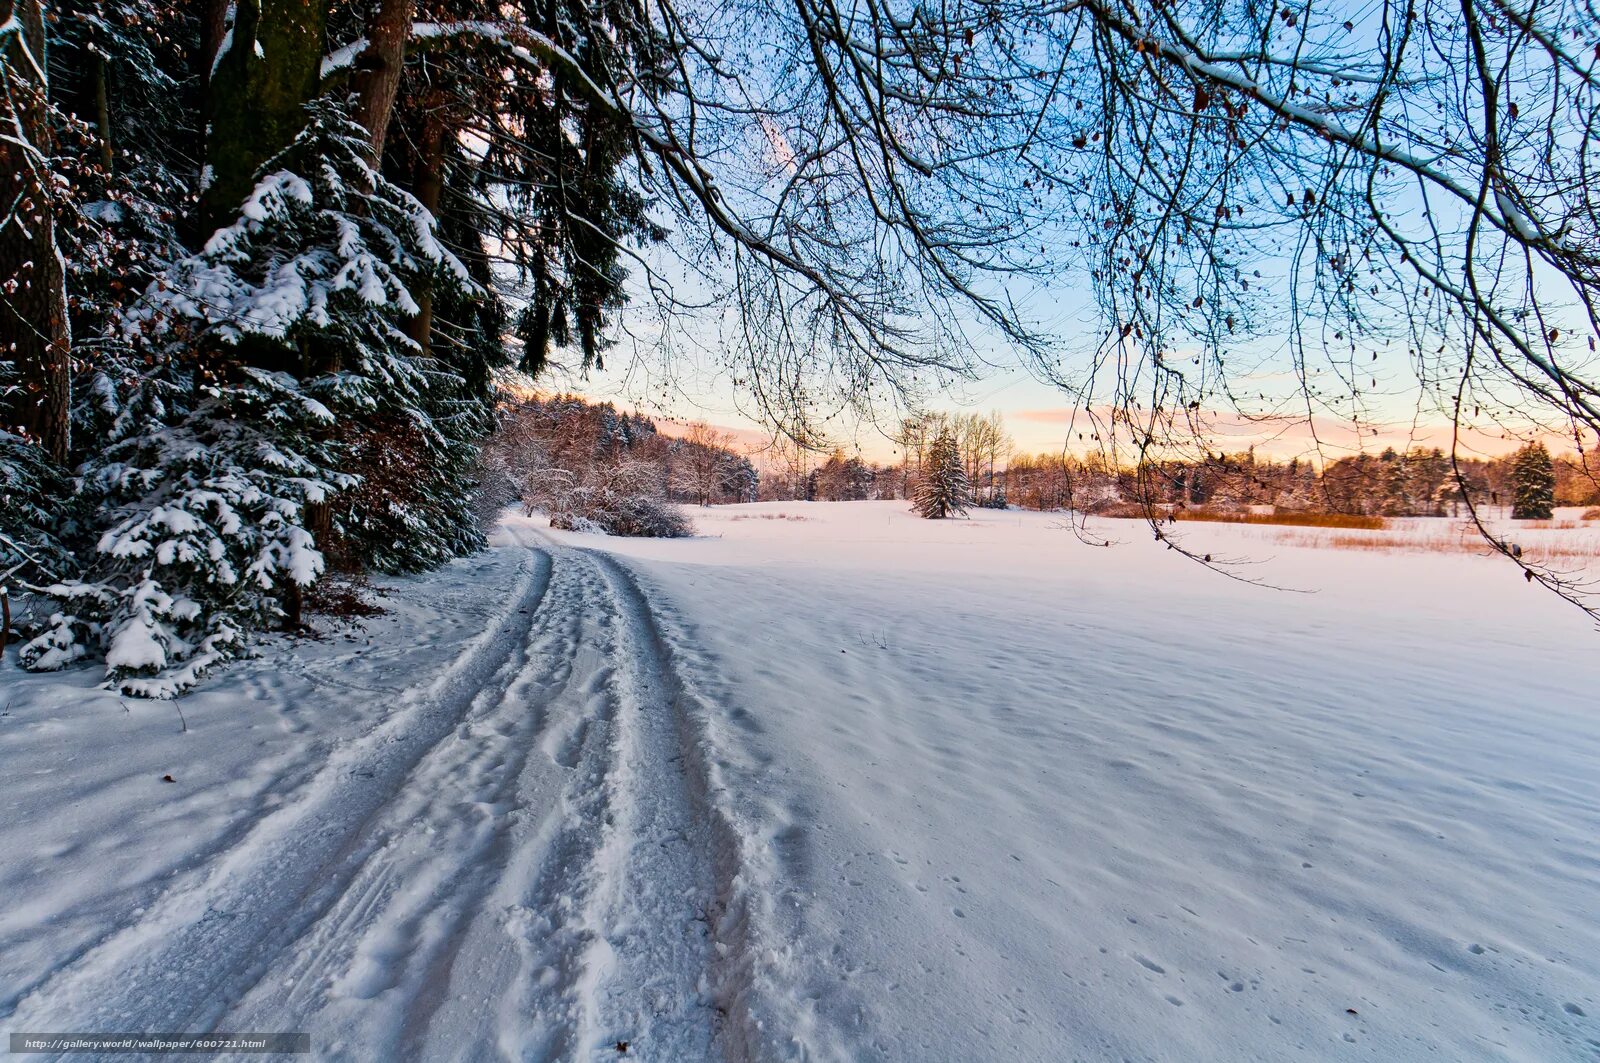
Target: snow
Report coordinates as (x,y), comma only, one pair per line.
(832,782)
(139,642)
(343,58)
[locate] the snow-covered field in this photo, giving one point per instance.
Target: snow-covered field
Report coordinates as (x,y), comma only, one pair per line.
(831,782)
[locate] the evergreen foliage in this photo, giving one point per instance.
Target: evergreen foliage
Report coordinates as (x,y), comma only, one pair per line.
(1533,484)
(576,201)
(738,479)
(279,362)
(31,488)
(944,489)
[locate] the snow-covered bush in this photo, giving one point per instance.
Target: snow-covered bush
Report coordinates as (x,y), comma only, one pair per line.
(276,355)
(30,514)
(624,497)
(610,512)
(33,510)
(30,489)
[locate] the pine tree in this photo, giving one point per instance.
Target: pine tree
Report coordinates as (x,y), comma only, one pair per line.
(31,512)
(739,479)
(574,204)
(944,489)
(279,359)
(1395,486)
(1533,484)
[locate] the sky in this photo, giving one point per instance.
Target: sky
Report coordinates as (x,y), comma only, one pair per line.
(687,385)
(1038,416)
(681,381)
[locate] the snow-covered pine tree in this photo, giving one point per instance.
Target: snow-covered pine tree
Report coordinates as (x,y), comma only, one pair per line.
(127,169)
(943,489)
(1533,484)
(31,515)
(738,479)
(278,352)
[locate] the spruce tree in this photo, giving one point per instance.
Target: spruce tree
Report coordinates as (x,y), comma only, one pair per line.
(1533,484)
(278,360)
(944,489)
(31,511)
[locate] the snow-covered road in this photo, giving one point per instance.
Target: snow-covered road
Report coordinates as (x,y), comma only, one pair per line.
(517,861)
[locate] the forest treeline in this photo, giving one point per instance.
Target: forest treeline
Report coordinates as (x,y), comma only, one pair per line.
(1418,482)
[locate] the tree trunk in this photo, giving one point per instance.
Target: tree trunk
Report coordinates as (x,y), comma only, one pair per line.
(213,27)
(33,298)
(102,115)
(255,100)
(293,606)
(428,186)
(378,77)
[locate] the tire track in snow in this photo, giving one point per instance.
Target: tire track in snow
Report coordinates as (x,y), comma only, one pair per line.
(604,929)
(647,975)
(532,836)
(373,970)
(208,939)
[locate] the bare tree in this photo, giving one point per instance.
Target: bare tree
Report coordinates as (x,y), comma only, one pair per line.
(707,451)
(1411,177)
(982,441)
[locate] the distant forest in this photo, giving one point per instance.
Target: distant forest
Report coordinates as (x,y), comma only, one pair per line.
(544,443)
(1415,483)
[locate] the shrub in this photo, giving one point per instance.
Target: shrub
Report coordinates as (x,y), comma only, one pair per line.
(625,497)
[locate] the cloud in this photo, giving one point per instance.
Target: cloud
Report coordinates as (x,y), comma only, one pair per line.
(1055,415)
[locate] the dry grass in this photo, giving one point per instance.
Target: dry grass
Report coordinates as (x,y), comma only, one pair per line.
(769,516)
(1454,537)
(1295,520)
(1119,511)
